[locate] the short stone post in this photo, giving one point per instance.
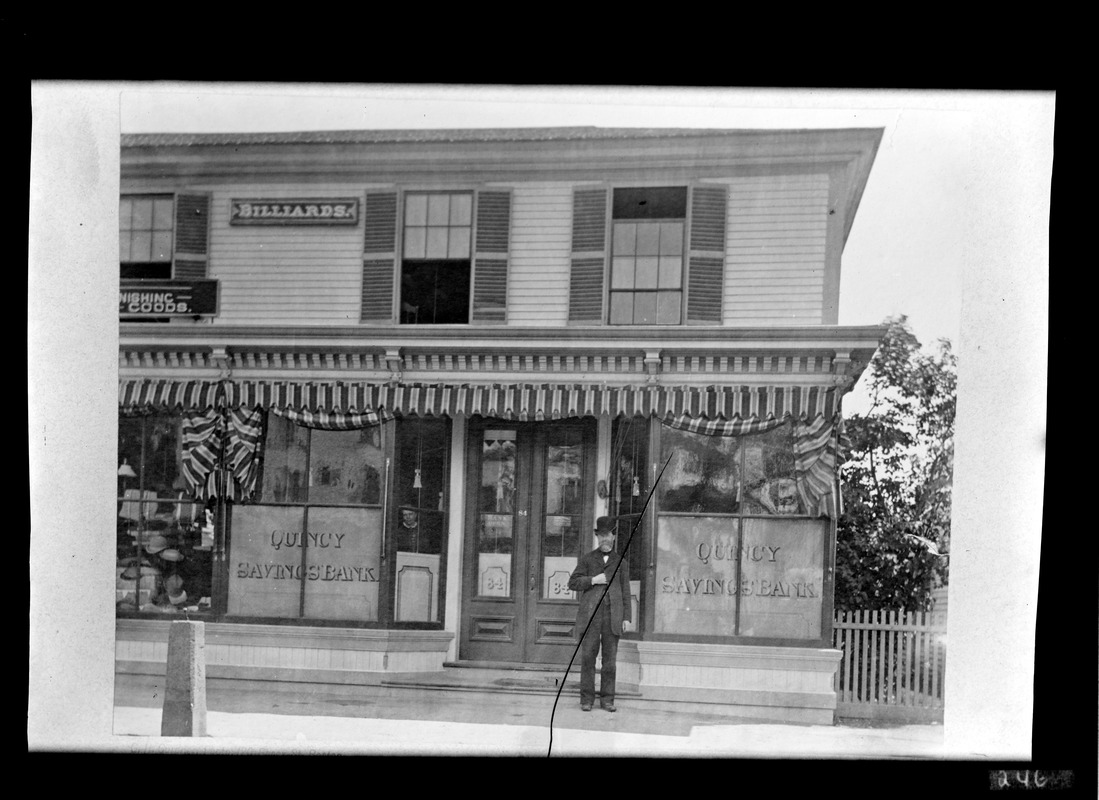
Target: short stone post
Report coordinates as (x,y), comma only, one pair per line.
(185,690)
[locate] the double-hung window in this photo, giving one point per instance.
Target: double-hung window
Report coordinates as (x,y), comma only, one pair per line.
(145,234)
(436,258)
(646,286)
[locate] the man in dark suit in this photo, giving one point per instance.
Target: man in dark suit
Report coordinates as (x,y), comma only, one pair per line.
(606,604)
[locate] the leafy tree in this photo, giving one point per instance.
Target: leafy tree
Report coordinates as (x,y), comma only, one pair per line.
(894,535)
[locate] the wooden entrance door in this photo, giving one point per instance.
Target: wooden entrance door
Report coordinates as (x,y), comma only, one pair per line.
(529,500)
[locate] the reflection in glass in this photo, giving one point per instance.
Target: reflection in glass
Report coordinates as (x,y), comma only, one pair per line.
(564,493)
(345,467)
(769,484)
(285,455)
(703,474)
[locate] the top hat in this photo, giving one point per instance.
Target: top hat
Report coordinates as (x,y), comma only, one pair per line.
(605,525)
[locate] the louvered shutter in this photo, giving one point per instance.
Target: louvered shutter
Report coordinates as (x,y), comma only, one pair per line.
(379,257)
(589,255)
(490,267)
(706,259)
(192,236)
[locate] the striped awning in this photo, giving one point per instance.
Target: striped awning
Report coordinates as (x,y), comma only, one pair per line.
(518,401)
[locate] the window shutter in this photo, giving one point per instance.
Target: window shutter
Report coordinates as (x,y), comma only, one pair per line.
(589,255)
(379,257)
(192,236)
(490,270)
(706,259)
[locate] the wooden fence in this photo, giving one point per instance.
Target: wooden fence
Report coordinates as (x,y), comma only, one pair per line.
(893,665)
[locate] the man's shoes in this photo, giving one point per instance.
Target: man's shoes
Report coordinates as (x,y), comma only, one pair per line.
(608,706)
(585,706)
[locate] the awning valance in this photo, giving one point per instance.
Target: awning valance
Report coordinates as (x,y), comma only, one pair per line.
(517,401)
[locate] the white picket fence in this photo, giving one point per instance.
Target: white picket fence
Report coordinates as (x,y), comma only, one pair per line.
(892,666)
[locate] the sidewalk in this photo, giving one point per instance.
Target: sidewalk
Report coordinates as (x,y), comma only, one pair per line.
(379,721)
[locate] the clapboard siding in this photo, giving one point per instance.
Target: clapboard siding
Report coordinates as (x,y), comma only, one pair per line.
(287,275)
(775,244)
(538,276)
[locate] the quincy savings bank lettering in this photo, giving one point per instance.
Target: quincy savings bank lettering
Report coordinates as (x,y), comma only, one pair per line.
(280,539)
(311,211)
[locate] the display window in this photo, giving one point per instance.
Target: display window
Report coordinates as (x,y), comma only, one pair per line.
(736,554)
(165,539)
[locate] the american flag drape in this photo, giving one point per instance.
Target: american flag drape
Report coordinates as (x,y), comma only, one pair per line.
(214,437)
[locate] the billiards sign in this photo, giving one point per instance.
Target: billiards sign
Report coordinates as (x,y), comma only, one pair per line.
(312,211)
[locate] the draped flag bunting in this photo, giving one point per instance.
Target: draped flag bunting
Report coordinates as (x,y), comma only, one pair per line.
(228,438)
(334,420)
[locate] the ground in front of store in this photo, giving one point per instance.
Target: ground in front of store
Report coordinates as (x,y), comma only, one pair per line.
(391,720)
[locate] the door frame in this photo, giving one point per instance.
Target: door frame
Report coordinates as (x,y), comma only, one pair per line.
(523,627)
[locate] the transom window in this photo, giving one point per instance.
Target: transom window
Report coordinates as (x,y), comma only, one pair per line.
(646,286)
(145,230)
(435,266)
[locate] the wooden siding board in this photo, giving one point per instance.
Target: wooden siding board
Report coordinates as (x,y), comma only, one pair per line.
(541,230)
(776,239)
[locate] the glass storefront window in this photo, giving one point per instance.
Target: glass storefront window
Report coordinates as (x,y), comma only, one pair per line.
(164,540)
(769,485)
(310,546)
(735,554)
(703,475)
(420,484)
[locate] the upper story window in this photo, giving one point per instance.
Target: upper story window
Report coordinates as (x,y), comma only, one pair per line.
(646,286)
(145,234)
(436,258)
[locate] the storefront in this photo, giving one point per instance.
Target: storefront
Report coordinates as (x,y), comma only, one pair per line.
(535,343)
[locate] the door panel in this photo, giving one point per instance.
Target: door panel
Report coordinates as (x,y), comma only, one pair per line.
(529,504)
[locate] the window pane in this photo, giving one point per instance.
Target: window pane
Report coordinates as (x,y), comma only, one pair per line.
(459,243)
(345,466)
(342,563)
(415,242)
(702,475)
(436,242)
(648,239)
(461,209)
(143,214)
(622,273)
(646,272)
(769,485)
(496,502)
(415,209)
(125,214)
(671,272)
(644,308)
(141,245)
(625,234)
(164,537)
(671,238)
(124,247)
(285,453)
(162,214)
(621,308)
(667,308)
(162,246)
(438,209)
